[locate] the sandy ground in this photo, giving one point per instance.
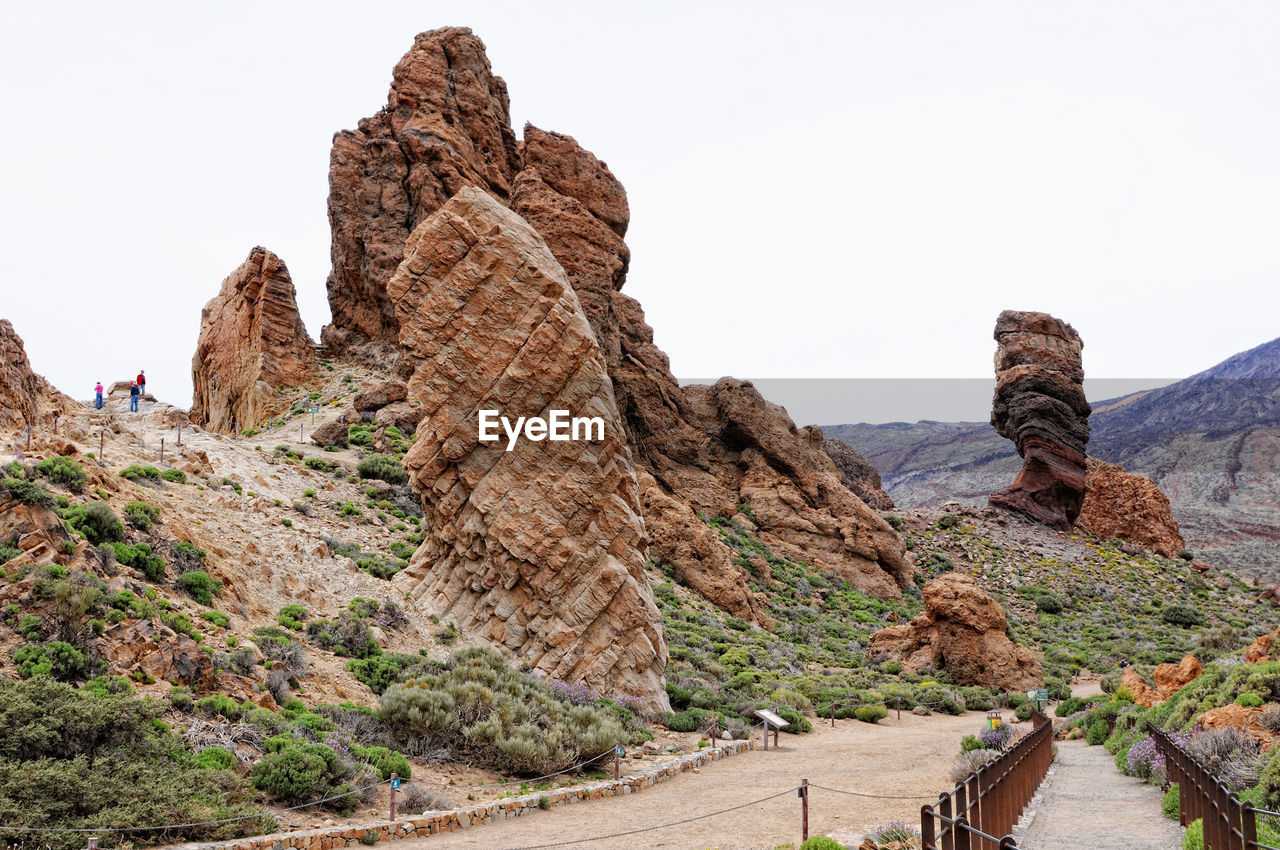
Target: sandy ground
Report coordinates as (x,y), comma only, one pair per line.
(911,756)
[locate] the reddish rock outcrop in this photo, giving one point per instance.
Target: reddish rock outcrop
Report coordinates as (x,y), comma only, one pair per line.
(540,548)
(158,651)
(1040,405)
(252,340)
(446,125)
(25,397)
(1130,507)
(961,631)
(1260,650)
(376,398)
(857,473)
(1169,679)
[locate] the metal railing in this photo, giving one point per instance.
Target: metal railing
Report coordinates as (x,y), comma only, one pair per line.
(983,807)
(1229,822)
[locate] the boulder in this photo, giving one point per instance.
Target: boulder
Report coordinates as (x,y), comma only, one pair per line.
(1169,679)
(540,548)
(1130,507)
(252,340)
(158,651)
(1260,650)
(961,631)
(404,415)
(857,473)
(376,398)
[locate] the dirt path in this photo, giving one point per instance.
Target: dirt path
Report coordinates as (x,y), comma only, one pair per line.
(1086,802)
(911,756)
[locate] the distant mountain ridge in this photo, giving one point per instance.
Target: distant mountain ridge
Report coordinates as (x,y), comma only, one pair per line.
(1211,442)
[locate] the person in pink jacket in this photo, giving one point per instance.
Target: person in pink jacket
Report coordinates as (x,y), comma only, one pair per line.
(97,402)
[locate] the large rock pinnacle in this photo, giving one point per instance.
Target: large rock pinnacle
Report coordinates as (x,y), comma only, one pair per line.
(1040,405)
(540,548)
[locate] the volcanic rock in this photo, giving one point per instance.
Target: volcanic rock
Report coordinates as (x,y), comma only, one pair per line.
(1169,679)
(376,398)
(252,340)
(1130,507)
(1260,650)
(961,631)
(540,548)
(404,415)
(25,397)
(446,125)
(858,475)
(1040,405)
(158,651)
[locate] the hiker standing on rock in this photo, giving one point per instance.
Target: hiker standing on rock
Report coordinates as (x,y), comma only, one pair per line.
(134,391)
(97,401)
(142,381)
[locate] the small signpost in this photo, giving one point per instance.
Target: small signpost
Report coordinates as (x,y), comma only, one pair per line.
(1040,696)
(771,719)
(395,786)
(313,410)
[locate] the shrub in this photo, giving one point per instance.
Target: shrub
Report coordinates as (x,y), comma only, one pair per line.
(215,758)
(1171,806)
(141,515)
(969,743)
(1249,700)
(967,762)
(797,722)
(689,720)
(140,473)
(297,772)
(1049,604)
(385,761)
(1023,712)
(1182,615)
(200,586)
(484,710)
(95,521)
(1270,718)
(360,435)
(1193,839)
(292,617)
(59,660)
(175,476)
(870,713)
(140,557)
(821,842)
(65,471)
(382,467)
(28,492)
(218,618)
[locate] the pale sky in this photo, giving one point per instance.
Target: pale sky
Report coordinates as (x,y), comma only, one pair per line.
(842,190)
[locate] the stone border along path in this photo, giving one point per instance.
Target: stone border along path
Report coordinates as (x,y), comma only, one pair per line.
(1086,802)
(479,814)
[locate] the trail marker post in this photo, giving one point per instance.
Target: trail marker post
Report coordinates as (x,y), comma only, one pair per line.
(617,761)
(93,844)
(179,433)
(162,449)
(803,791)
(395,786)
(101,440)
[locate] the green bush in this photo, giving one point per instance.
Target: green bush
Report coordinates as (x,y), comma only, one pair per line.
(384,761)
(140,556)
(797,723)
(969,743)
(218,618)
(1182,615)
(1097,734)
(821,842)
(88,758)
(215,758)
(141,515)
(1193,839)
(870,713)
(382,467)
(297,772)
(497,716)
(96,522)
(140,473)
(689,720)
(1171,806)
(1069,706)
(175,476)
(200,586)
(1049,604)
(28,492)
(360,435)
(317,463)
(58,659)
(380,672)
(292,617)
(65,471)
(1249,700)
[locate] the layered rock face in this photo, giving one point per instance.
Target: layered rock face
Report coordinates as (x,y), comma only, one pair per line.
(25,397)
(1130,507)
(1040,405)
(446,125)
(962,632)
(251,341)
(709,448)
(857,473)
(540,548)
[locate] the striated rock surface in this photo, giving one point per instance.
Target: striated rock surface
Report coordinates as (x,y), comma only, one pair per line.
(961,631)
(252,340)
(25,397)
(858,475)
(541,548)
(158,651)
(446,125)
(1040,405)
(1169,678)
(1130,507)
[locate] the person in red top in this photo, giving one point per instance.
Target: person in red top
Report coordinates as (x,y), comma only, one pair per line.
(142,381)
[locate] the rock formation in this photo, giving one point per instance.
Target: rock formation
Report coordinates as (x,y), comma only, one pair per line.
(446,125)
(1040,405)
(252,340)
(961,631)
(539,548)
(858,475)
(1130,507)
(1169,678)
(25,397)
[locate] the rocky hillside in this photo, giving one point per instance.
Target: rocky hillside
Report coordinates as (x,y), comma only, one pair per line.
(1209,443)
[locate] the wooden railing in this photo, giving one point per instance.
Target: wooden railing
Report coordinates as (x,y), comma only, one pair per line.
(980,811)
